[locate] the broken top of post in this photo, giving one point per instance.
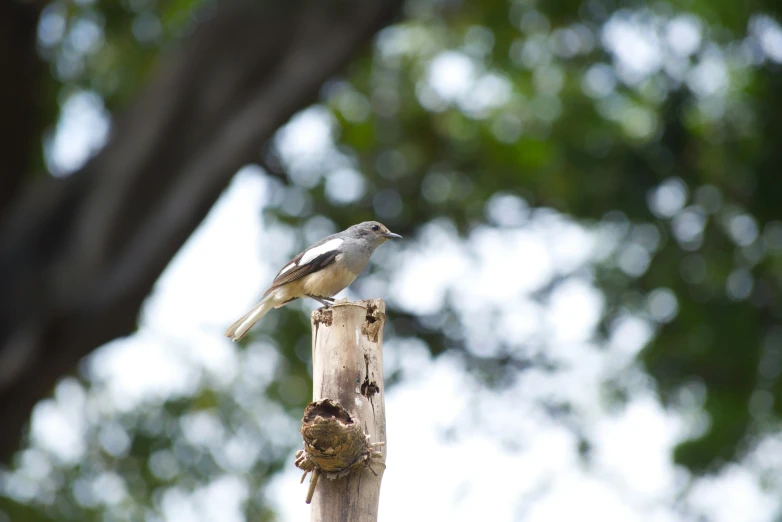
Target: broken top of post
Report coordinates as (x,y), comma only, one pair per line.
(347,360)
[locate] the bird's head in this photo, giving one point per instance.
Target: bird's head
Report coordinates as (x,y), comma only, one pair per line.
(374,232)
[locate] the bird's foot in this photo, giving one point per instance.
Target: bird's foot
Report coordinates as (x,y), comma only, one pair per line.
(325,301)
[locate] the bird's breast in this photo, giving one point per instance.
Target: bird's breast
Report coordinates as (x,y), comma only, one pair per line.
(328,281)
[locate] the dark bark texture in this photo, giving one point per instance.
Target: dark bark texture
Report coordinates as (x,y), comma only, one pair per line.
(79,255)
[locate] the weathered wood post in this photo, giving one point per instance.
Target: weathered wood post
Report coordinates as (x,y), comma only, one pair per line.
(344,428)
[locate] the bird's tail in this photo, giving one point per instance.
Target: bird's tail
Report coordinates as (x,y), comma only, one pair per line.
(238,330)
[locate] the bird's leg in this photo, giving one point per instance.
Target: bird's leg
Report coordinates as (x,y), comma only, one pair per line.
(321,300)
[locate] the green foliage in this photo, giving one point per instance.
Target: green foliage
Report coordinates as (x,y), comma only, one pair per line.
(603,157)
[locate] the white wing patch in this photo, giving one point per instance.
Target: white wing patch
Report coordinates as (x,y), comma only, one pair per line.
(328,246)
(292,265)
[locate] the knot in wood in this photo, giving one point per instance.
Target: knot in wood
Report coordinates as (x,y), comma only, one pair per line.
(333,442)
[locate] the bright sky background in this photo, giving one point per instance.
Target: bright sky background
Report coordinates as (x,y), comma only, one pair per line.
(523,466)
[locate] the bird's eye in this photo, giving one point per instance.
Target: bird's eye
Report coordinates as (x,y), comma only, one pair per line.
(375,228)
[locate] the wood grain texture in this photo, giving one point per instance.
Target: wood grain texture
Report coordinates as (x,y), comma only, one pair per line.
(347,355)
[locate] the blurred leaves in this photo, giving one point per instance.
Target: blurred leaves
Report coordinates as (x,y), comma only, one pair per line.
(656,123)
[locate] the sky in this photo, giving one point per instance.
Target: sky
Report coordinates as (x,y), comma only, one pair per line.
(522,464)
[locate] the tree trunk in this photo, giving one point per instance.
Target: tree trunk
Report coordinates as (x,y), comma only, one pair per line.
(79,255)
(347,358)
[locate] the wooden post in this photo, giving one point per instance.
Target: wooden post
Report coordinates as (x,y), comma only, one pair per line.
(347,360)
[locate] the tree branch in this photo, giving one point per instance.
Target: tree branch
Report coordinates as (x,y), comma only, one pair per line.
(78,256)
(21,69)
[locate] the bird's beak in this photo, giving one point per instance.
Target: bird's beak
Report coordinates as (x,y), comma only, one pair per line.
(391,235)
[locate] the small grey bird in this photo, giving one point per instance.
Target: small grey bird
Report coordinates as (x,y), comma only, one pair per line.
(320,272)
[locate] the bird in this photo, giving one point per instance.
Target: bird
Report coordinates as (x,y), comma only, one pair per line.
(319,272)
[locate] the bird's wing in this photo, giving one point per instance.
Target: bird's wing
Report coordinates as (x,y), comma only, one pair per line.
(307,262)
